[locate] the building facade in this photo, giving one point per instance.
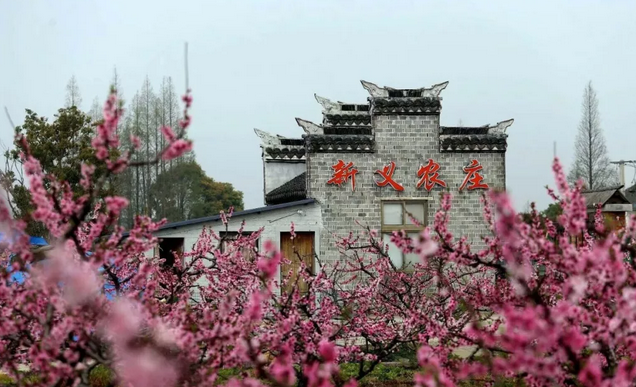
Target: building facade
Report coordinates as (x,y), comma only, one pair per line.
(378,164)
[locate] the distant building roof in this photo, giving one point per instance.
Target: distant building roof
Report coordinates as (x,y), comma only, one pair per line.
(294,190)
(630,194)
(237,214)
(602,196)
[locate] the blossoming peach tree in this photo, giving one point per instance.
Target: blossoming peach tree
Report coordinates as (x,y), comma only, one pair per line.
(534,305)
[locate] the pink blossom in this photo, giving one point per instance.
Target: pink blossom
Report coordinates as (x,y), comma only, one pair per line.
(146,368)
(124,320)
(168,133)
(328,351)
(254,309)
(176,149)
(87,173)
(116,204)
(77,279)
(590,375)
(578,285)
(136,141)
(269,265)
(539,303)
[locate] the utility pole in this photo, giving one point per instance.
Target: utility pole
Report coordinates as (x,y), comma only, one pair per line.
(621,169)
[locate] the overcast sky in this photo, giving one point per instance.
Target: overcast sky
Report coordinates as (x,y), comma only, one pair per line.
(257,64)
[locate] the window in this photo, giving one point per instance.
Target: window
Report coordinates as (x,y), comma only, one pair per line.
(408,215)
(167,249)
(228,243)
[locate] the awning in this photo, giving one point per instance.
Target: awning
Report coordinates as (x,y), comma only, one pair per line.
(33,240)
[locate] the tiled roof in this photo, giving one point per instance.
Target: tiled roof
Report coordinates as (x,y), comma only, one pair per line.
(630,194)
(347,119)
(285,153)
(471,139)
(455,130)
(602,195)
(295,189)
(486,143)
(351,107)
(340,143)
(278,147)
(352,130)
(406,106)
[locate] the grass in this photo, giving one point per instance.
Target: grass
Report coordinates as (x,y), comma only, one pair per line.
(382,374)
(100,376)
(7,381)
(385,375)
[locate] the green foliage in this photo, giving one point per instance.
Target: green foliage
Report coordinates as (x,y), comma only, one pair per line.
(553,211)
(185,192)
(61,147)
(214,197)
(226,374)
(6,380)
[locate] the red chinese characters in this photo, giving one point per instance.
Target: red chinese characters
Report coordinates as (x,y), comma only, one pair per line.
(473,178)
(387,175)
(428,176)
(343,172)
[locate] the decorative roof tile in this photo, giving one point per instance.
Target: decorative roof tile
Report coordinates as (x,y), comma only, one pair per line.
(630,194)
(330,107)
(406,106)
(487,138)
(347,119)
(295,189)
(360,130)
(340,143)
(455,130)
(389,92)
(279,147)
(285,153)
(473,143)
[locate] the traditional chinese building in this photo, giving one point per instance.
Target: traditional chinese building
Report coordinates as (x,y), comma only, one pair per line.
(614,206)
(373,163)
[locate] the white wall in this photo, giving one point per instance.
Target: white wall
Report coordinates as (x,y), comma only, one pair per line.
(278,172)
(273,222)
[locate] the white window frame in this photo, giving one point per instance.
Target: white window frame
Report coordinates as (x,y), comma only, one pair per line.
(388,229)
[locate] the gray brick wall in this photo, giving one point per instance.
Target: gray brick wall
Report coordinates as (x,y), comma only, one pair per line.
(409,141)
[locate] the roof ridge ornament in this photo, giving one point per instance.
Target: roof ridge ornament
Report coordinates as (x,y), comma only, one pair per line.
(328,106)
(309,127)
(268,139)
(501,127)
(375,90)
(434,91)
(383,92)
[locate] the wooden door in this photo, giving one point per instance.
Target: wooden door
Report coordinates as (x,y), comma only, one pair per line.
(614,220)
(299,249)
